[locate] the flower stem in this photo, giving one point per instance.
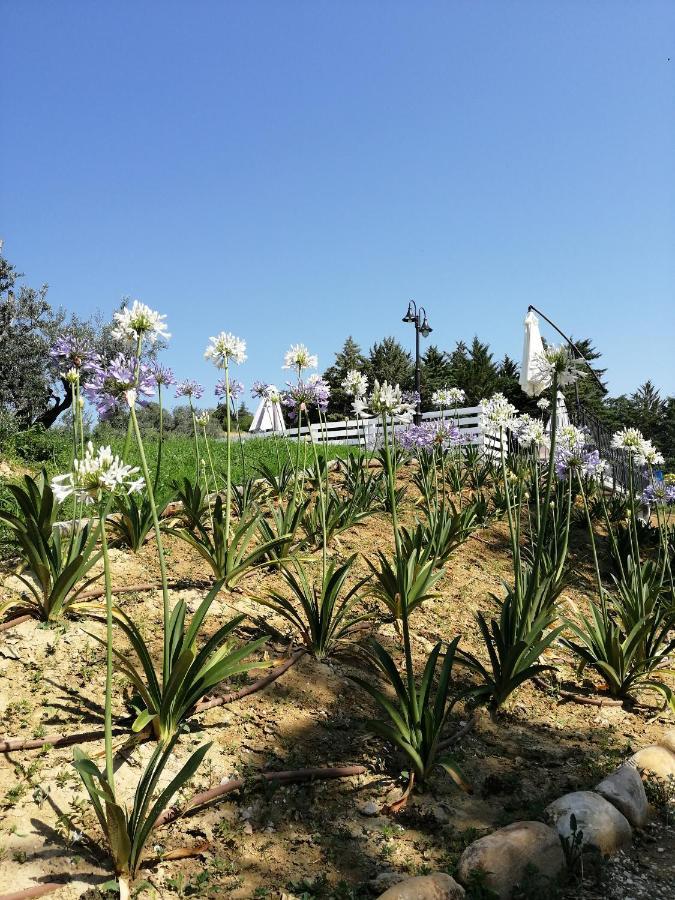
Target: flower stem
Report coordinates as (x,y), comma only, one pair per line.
(109,770)
(160,547)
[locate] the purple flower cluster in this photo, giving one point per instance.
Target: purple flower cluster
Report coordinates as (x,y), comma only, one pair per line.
(236,388)
(163,375)
(259,389)
(410,398)
(587,462)
(74,353)
(189,388)
(659,493)
(302,396)
(108,384)
(429,435)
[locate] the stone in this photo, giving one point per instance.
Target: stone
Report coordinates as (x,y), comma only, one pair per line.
(505,854)
(369,808)
(657,762)
(668,740)
(425,887)
(604,828)
(385,880)
(624,790)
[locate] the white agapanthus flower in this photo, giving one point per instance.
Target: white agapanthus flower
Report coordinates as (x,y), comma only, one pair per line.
(98,473)
(648,455)
(571,438)
(387,399)
(496,413)
(543,404)
(203,419)
(360,407)
(529,431)
(447,397)
(355,384)
(299,358)
(225,347)
(630,439)
(138,320)
(558,360)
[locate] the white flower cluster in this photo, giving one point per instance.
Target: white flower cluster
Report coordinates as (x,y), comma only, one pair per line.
(447,397)
(543,404)
(203,419)
(496,413)
(98,473)
(299,358)
(355,384)
(558,360)
(387,399)
(529,431)
(138,320)
(225,347)
(634,442)
(571,438)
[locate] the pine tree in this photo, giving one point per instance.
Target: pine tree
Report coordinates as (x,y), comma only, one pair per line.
(350,357)
(389,361)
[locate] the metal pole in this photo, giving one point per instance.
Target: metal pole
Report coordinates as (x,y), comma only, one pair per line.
(418,414)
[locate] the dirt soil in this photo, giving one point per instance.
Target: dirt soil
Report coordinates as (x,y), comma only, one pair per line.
(324,839)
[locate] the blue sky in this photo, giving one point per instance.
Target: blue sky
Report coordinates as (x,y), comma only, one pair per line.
(296,171)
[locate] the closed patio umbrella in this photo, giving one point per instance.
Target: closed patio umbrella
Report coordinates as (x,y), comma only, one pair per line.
(532,347)
(269,416)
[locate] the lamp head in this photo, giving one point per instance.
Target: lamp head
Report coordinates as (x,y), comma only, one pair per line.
(425,327)
(410,315)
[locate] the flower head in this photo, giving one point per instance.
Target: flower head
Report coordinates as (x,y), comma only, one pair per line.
(236,388)
(543,404)
(660,493)
(496,413)
(529,431)
(225,347)
(355,384)
(559,361)
(189,388)
(633,442)
(97,474)
(302,396)
(139,321)
(447,397)
(299,358)
(73,353)
(429,435)
(389,400)
(162,375)
(202,419)
(108,385)
(587,463)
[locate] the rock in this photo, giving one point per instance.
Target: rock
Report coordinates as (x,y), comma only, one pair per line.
(657,762)
(425,887)
(505,854)
(369,808)
(604,827)
(385,880)
(668,740)
(624,789)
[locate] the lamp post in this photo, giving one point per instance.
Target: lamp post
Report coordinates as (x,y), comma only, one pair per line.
(418,317)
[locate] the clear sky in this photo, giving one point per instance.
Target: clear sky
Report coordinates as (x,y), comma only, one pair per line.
(295,171)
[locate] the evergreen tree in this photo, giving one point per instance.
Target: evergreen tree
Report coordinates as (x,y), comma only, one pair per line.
(350,357)
(474,370)
(389,361)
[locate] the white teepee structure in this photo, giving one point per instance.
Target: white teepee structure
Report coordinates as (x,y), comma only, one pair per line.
(269,416)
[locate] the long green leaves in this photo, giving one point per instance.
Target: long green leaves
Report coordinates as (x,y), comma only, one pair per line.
(416,716)
(319,613)
(53,566)
(168,701)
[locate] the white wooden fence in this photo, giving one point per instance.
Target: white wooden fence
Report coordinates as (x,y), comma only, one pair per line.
(368,432)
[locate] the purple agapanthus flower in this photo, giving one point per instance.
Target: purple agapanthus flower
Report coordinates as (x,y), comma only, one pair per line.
(410,398)
(108,385)
(303,395)
(236,388)
(162,375)
(429,435)
(72,352)
(189,388)
(259,389)
(659,493)
(586,462)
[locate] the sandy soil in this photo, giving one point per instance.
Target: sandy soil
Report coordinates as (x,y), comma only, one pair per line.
(327,839)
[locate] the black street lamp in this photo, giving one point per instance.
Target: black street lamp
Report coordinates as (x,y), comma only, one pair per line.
(418,317)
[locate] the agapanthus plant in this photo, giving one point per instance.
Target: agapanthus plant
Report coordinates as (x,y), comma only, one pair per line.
(299,358)
(355,384)
(559,363)
(97,474)
(303,396)
(189,388)
(108,386)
